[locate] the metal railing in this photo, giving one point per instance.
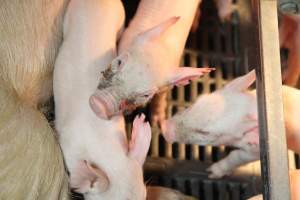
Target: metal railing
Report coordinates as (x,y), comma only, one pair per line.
(273,148)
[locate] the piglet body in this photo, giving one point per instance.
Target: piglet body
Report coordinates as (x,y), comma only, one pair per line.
(229,117)
(152,12)
(102,164)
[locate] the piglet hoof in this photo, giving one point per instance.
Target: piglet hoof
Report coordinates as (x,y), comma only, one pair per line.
(140,128)
(140,139)
(216,172)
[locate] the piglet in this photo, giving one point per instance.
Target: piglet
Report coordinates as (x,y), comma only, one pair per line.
(149,54)
(229,117)
(289,32)
(101,162)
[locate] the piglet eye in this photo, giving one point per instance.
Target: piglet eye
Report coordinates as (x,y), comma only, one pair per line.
(202,132)
(119,62)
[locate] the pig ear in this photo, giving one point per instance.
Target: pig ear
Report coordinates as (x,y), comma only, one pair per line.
(182,75)
(140,139)
(87,177)
(241,83)
(155,32)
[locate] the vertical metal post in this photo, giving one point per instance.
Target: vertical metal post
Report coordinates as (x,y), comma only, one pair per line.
(273,149)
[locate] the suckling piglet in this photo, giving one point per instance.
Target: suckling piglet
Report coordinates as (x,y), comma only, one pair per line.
(229,117)
(101,162)
(148,57)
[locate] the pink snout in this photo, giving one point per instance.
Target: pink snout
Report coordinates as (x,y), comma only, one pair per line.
(103,105)
(168,130)
(99,107)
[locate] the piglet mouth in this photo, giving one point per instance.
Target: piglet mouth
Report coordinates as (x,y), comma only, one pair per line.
(103,104)
(127,107)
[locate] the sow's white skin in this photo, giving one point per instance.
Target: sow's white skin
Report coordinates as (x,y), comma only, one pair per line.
(229,117)
(149,54)
(101,162)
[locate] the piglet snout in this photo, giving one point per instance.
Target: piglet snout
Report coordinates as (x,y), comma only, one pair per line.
(103,104)
(168,130)
(98,107)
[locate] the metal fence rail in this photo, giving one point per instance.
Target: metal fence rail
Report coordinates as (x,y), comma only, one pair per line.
(274,160)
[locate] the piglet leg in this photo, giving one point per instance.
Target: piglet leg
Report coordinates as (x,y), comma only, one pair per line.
(140,139)
(235,159)
(249,152)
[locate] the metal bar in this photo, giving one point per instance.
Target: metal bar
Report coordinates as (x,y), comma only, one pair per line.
(274,160)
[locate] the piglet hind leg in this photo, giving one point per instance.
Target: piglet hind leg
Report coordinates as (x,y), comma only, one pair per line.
(235,159)
(140,139)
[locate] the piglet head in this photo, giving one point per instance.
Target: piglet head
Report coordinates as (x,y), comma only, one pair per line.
(139,72)
(217,118)
(196,125)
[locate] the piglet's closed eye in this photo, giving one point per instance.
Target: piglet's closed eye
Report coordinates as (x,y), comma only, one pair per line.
(88,177)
